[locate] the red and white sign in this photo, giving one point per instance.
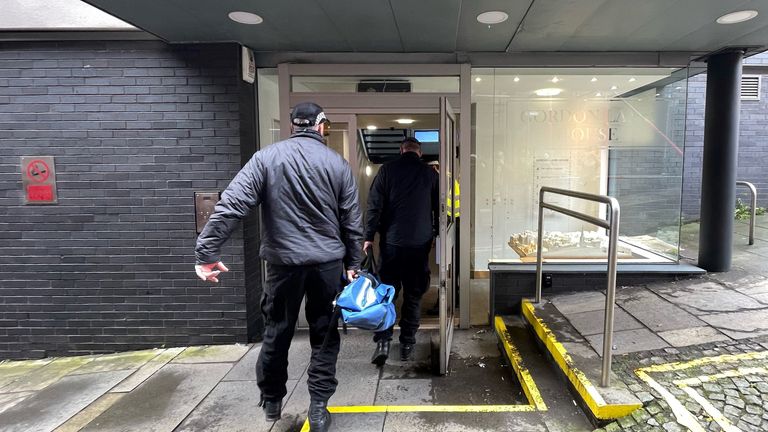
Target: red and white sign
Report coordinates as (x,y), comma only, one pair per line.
(38,180)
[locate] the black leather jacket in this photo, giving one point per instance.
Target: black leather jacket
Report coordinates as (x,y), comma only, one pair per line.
(309,204)
(403,204)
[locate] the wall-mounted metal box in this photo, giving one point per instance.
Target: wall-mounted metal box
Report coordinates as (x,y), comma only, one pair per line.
(205,202)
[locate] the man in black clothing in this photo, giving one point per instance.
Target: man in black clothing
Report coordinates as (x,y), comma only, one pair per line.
(311,232)
(403,209)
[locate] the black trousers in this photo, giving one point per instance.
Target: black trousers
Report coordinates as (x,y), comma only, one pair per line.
(407,269)
(280,304)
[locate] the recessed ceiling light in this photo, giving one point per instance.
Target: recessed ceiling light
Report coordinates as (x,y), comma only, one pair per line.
(548,92)
(371,127)
(478,79)
(593,79)
(614,87)
(492,17)
(737,17)
(598,94)
(555,79)
(245,17)
(405,121)
(517,79)
(632,79)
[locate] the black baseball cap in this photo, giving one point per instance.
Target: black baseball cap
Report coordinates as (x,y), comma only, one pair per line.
(308,114)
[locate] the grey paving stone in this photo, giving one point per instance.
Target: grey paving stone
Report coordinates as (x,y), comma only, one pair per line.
(9,400)
(467,422)
(231,407)
(369,422)
(404,392)
(692,336)
(579,302)
(656,313)
(11,370)
(740,325)
(118,361)
(706,297)
(163,401)
(245,369)
(591,323)
(212,354)
(48,374)
(295,406)
(81,419)
(147,370)
(629,341)
(52,406)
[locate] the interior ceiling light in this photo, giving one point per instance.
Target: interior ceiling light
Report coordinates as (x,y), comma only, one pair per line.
(598,94)
(614,87)
(478,79)
(548,92)
(737,17)
(492,17)
(593,79)
(371,127)
(517,79)
(555,80)
(632,79)
(405,121)
(245,17)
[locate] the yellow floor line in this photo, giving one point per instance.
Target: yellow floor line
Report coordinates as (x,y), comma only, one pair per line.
(515,359)
(733,373)
(713,412)
(583,386)
(726,358)
(373,409)
(682,415)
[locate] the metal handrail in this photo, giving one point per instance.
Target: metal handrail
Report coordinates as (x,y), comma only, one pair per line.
(612,225)
(753,193)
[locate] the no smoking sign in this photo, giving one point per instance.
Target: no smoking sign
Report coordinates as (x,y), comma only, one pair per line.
(38,178)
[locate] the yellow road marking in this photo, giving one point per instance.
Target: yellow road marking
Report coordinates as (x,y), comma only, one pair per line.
(726,358)
(713,412)
(373,409)
(588,392)
(682,415)
(733,373)
(523,375)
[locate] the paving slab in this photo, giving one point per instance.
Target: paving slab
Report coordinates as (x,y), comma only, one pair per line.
(118,361)
(49,408)
(11,370)
(628,341)
(48,374)
(9,400)
(163,401)
(81,419)
(740,325)
(231,407)
(212,354)
(590,323)
(147,370)
(655,312)
(587,301)
(405,392)
(754,287)
(295,406)
(692,336)
(245,369)
(702,297)
(373,422)
(465,422)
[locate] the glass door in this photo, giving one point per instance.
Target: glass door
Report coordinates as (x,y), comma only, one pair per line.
(447,233)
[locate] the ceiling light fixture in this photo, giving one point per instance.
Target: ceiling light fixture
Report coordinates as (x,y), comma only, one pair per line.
(478,79)
(405,121)
(593,79)
(632,79)
(371,127)
(614,87)
(492,17)
(555,80)
(517,79)
(245,17)
(737,17)
(598,94)
(548,92)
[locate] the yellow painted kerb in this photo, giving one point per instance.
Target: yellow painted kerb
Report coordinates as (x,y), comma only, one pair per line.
(523,376)
(583,386)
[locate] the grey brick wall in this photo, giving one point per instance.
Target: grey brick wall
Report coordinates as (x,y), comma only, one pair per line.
(136,128)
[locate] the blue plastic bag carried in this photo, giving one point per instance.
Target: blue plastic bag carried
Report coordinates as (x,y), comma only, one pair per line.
(366,303)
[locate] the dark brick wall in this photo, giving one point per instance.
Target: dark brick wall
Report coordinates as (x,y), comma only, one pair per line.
(136,128)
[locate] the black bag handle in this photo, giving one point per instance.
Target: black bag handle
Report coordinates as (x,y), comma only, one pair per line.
(369,262)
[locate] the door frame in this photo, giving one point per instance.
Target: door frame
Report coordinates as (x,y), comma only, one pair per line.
(374,103)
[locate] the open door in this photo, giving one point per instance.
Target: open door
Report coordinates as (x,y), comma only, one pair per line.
(447,286)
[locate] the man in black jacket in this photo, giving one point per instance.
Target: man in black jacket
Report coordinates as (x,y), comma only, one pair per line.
(311,233)
(403,209)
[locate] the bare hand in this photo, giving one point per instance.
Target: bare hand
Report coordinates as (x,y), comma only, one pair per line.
(351,275)
(367,245)
(206,272)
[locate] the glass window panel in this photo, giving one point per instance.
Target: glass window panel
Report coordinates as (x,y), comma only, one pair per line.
(352,84)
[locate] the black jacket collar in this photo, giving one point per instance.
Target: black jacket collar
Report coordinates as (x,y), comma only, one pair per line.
(308,133)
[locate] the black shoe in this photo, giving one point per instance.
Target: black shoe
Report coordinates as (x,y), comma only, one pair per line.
(405,351)
(272,409)
(319,417)
(381,354)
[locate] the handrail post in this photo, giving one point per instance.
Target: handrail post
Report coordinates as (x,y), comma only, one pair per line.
(610,294)
(753,209)
(539,246)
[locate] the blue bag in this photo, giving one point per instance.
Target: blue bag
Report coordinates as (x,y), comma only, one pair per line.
(367,303)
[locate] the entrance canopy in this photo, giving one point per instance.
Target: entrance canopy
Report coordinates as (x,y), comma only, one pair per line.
(452,26)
